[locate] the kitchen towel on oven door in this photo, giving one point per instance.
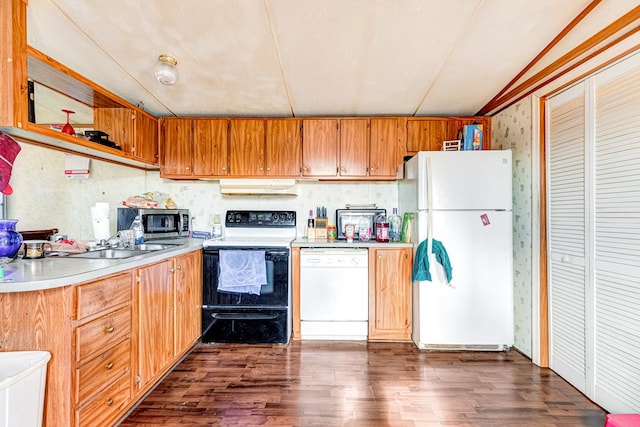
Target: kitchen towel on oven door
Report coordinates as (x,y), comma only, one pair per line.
(242,271)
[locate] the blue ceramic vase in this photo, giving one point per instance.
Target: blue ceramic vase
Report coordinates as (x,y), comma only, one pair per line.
(10,239)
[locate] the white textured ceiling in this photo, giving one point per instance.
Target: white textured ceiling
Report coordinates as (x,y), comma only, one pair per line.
(301,57)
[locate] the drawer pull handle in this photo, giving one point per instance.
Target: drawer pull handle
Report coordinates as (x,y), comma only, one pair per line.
(109,366)
(109,329)
(109,402)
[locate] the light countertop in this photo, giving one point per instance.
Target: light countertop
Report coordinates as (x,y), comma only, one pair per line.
(303,242)
(22,275)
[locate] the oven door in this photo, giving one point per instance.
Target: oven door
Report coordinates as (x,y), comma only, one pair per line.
(274,293)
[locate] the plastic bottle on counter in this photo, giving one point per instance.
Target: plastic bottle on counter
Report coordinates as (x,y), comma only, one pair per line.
(364,229)
(382,228)
(311,232)
(216,226)
(395,226)
(138,230)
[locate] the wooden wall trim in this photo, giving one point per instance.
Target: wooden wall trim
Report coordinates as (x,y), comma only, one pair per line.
(544,291)
(565,63)
(544,51)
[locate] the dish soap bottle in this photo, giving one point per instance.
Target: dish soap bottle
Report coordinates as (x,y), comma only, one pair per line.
(395,226)
(382,228)
(138,230)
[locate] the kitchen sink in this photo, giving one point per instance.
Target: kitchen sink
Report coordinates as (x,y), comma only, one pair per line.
(119,253)
(109,254)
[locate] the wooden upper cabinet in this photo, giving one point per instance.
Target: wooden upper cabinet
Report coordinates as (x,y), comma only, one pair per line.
(246,147)
(320,147)
(176,148)
(210,147)
(283,147)
(426,134)
(383,149)
(118,124)
(354,147)
(146,138)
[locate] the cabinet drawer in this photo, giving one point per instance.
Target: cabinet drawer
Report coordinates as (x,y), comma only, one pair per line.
(102,294)
(101,333)
(107,405)
(102,370)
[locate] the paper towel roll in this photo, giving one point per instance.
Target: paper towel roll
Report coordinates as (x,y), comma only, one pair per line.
(100,221)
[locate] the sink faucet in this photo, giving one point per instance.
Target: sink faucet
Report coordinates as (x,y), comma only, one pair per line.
(107,242)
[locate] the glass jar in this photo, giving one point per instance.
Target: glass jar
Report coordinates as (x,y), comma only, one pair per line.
(332,232)
(10,239)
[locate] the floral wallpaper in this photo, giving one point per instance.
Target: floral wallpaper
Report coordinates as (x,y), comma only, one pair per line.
(512,130)
(44,198)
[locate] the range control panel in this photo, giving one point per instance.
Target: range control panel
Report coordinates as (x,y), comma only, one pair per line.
(260,219)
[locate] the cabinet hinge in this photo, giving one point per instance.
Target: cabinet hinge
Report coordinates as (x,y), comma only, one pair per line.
(138,279)
(138,379)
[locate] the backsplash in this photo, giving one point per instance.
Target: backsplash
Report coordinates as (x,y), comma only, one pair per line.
(44,198)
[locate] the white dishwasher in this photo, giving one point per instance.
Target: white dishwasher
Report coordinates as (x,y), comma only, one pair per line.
(334,294)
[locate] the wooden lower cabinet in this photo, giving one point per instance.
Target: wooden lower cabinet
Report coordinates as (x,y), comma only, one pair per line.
(187,301)
(105,334)
(102,349)
(169,309)
(154,297)
(390,294)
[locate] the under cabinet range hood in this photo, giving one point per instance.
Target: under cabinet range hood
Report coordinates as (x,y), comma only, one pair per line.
(273,187)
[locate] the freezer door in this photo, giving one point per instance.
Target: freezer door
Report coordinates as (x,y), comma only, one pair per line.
(477,309)
(465,179)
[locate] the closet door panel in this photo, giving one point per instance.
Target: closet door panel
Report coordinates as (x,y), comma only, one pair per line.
(617,241)
(566,235)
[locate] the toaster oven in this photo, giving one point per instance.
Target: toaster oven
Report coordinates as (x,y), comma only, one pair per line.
(357,217)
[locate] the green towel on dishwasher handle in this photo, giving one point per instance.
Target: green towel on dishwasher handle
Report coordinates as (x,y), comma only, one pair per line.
(421,262)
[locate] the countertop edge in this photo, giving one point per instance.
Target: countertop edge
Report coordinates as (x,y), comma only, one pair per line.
(59,272)
(342,244)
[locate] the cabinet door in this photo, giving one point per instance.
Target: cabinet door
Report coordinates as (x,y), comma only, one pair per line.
(175,146)
(145,143)
(390,294)
(283,147)
(354,147)
(188,300)
(246,155)
(210,147)
(383,156)
(155,320)
(426,134)
(320,147)
(118,124)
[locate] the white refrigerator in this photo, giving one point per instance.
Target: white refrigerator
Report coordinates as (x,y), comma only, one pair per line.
(464,200)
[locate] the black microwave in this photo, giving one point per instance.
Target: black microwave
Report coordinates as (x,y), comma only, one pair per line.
(357,217)
(157,223)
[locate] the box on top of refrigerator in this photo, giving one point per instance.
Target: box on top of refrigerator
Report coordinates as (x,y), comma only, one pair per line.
(472,137)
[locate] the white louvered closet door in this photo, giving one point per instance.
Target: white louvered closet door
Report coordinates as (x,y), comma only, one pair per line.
(566,234)
(617,238)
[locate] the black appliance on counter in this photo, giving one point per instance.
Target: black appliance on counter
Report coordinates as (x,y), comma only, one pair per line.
(357,216)
(233,313)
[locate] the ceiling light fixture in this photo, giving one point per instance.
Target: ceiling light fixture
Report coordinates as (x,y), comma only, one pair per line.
(166,71)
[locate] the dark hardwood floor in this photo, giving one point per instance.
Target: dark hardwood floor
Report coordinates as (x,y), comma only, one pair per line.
(349,383)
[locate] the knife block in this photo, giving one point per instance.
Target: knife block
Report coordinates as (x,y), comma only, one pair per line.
(321,228)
